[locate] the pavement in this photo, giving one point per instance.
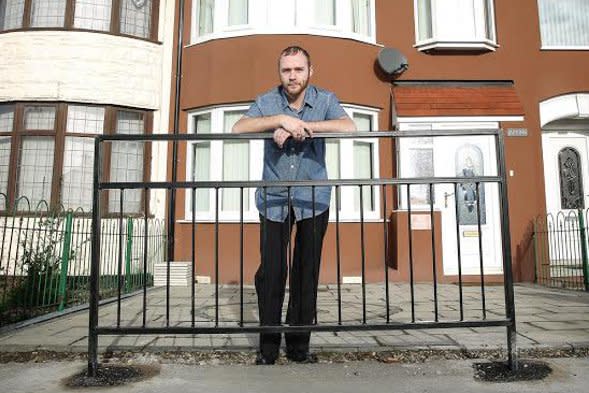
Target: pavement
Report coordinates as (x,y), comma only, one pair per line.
(552,327)
(547,319)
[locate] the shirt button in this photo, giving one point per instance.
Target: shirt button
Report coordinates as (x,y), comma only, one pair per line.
(292,149)
(292,167)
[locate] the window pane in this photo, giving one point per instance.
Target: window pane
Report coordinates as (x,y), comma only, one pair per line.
(424,17)
(93,14)
(11,14)
(85,119)
(35,170)
(325,12)
(127,162)
(48,13)
(78,164)
(361,16)
(238,12)
(363,164)
(136,17)
(4,161)
(332,162)
(6,118)
(39,118)
(202,124)
(564,22)
(420,163)
(201,172)
(235,164)
(206,12)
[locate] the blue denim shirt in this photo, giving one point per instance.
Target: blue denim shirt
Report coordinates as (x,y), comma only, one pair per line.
(303,160)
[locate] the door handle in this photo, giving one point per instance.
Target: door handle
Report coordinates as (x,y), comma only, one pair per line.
(446,196)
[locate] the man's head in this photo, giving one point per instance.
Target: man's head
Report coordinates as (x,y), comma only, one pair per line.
(295,70)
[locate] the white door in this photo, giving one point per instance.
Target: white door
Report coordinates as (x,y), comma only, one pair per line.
(566,171)
(462,157)
(467,157)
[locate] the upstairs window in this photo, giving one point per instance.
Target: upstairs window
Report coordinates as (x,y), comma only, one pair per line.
(455,24)
(228,18)
(135,18)
(564,24)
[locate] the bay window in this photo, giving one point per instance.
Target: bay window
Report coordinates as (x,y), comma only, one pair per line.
(45,160)
(455,24)
(226,18)
(564,24)
(135,18)
(242,160)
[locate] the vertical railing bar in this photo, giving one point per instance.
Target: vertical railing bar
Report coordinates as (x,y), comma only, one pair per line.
(338,256)
(216,256)
(458,252)
(288,244)
(315,262)
(264,222)
(363,255)
(481,256)
(410,239)
(171,245)
(193,260)
(386,252)
(241,239)
(120,265)
(145,252)
(433,243)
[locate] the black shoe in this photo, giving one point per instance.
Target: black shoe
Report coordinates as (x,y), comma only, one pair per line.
(261,360)
(302,357)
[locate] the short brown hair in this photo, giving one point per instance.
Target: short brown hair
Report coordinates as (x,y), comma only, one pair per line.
(293,50)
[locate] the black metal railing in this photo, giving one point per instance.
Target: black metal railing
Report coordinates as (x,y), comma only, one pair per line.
(45,258)
(560,250)
(201,308)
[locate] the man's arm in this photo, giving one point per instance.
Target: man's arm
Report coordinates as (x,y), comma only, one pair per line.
(343,124)
(269,123)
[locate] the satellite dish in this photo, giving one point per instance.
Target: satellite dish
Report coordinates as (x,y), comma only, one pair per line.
(392,61)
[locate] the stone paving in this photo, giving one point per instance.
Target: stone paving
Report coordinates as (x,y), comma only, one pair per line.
(546,319)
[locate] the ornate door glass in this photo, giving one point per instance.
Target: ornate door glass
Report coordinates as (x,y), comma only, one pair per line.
(469,163)
(571,183)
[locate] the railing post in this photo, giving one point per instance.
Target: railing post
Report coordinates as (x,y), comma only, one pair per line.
(95,265)
(535,241)
(506,248)
(128,255)
(65,257)
(583,240)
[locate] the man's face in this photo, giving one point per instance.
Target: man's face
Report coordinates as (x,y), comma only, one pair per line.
(294,74)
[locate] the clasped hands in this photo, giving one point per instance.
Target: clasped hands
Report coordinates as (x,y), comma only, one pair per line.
(291,127)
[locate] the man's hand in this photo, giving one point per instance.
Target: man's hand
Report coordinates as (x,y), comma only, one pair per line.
(280,136)
(296,127)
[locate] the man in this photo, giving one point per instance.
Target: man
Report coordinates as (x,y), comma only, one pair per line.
(293,112)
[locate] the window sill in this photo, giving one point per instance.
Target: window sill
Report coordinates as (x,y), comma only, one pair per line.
(439,45)
(284,31)
(33,29)
(561,48)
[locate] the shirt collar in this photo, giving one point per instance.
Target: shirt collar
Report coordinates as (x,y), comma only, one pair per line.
(310,96)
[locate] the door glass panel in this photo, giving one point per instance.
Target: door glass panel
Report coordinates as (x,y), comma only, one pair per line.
(571,183)
(469,163)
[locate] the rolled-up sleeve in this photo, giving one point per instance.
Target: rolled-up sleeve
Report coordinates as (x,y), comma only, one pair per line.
(334,109)
(254,110)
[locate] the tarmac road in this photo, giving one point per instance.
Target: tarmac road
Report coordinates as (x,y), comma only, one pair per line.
(569,375)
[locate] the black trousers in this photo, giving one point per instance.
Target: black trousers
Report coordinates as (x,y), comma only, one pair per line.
(304,277)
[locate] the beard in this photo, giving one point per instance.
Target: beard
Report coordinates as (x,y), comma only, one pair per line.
(293,89)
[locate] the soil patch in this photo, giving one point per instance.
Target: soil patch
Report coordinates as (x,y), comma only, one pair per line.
(111,375)
(527,370)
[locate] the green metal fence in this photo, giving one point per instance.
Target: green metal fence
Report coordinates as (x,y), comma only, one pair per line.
(45,258)
(560,250)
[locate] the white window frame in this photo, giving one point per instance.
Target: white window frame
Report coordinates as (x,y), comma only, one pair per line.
(256,157)
(256,153)
(268,17)
(442,43)
(347,206)
(557,47)
(428,124)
